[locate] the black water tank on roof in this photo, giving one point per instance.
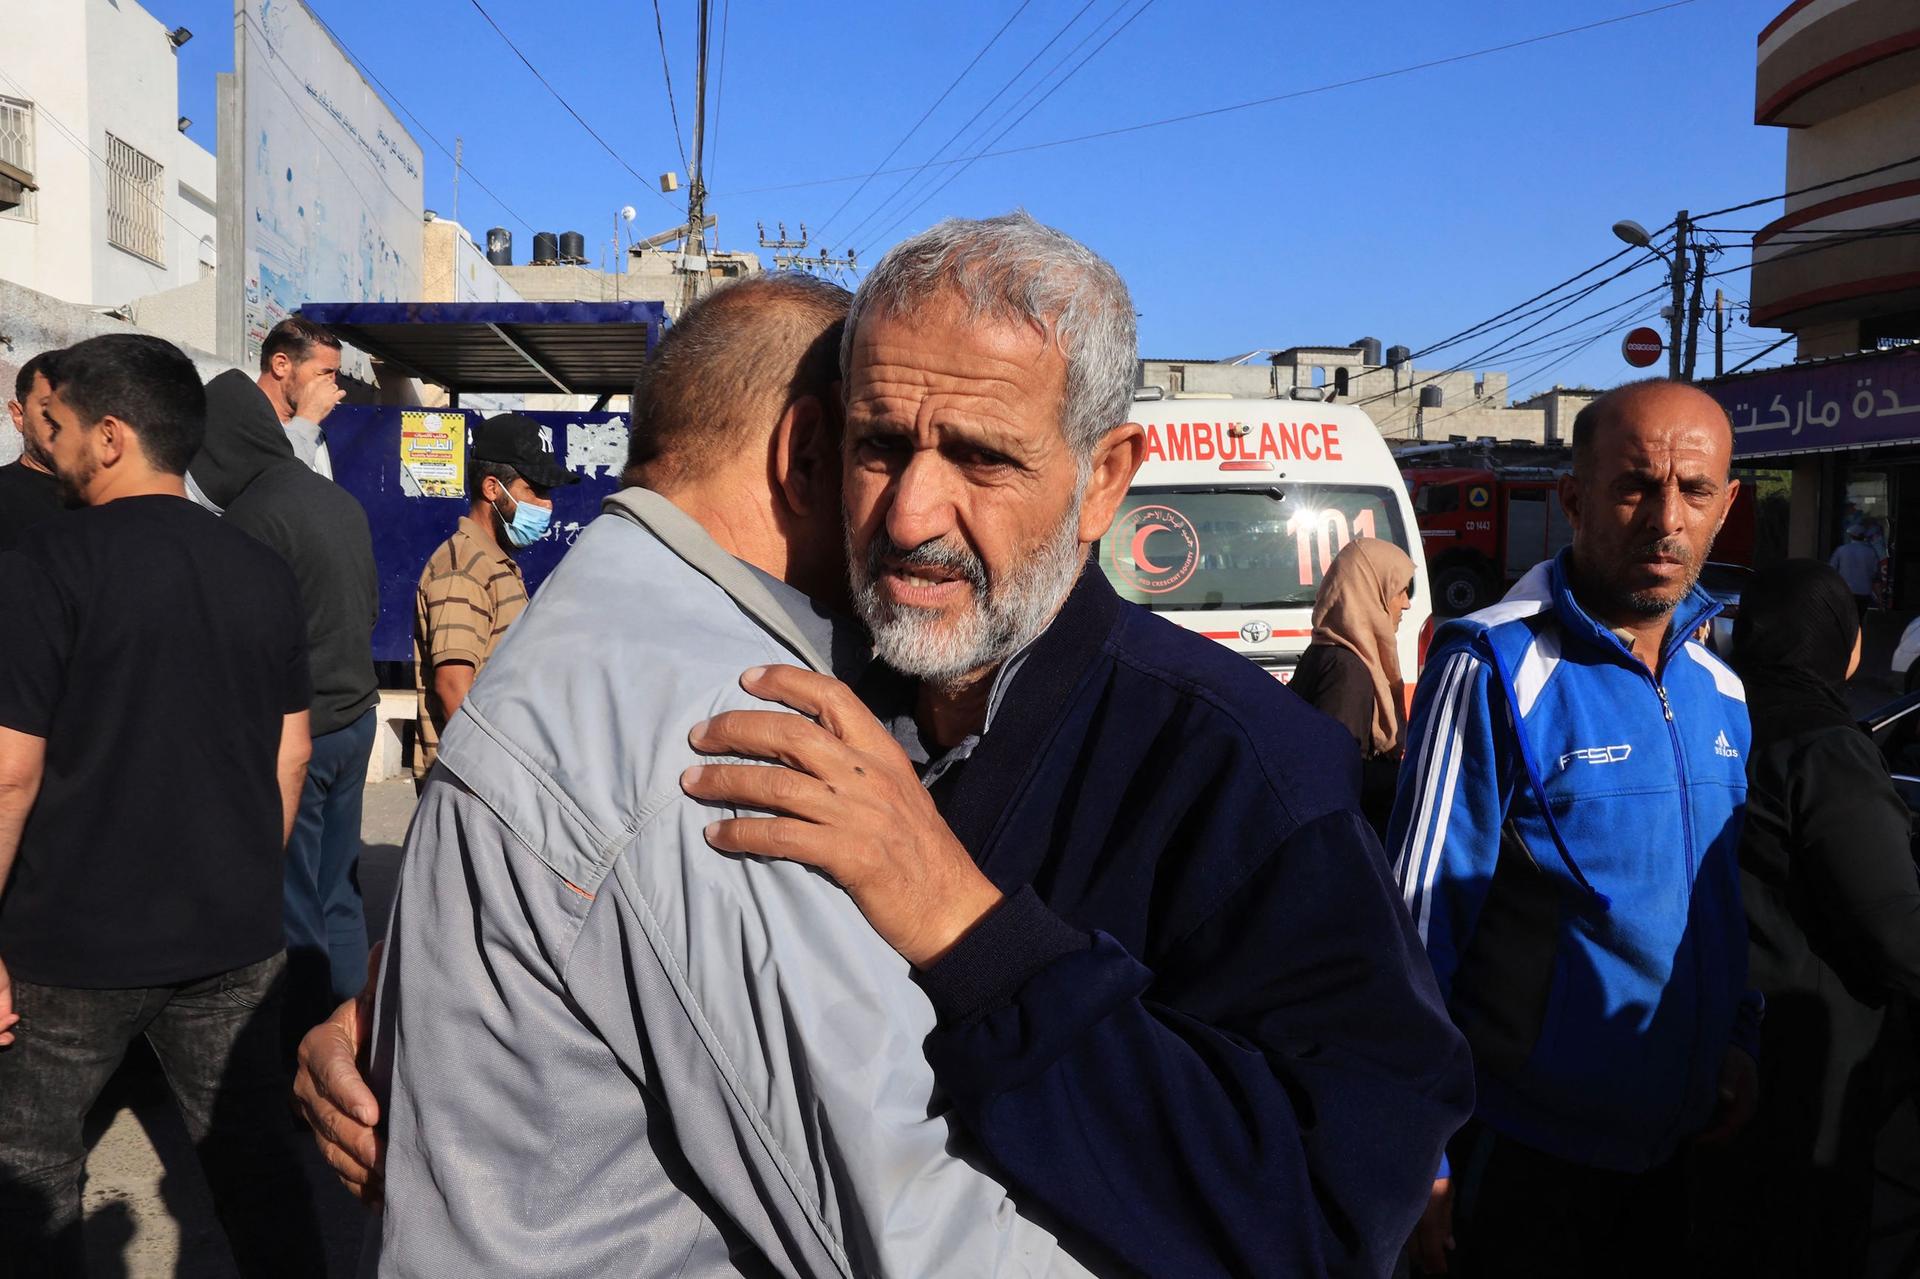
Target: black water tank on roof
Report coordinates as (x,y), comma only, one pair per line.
(546,249)
(1369,351)
(1398,355)
(500,246)
(1430,396)
(573,247)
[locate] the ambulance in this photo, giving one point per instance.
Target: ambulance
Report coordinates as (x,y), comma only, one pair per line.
(1238,511)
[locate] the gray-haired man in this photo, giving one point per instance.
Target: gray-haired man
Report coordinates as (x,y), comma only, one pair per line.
(1170,990)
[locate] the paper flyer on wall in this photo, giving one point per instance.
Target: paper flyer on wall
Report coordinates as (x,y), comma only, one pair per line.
(433,453)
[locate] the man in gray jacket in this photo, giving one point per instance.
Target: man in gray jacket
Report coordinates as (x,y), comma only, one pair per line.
(597,1039)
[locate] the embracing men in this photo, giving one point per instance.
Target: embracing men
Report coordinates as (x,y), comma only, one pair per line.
(1133,991)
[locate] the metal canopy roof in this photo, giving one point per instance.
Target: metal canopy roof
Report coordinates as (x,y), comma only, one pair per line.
(580,348)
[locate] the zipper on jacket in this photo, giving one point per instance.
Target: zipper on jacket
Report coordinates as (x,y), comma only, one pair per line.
(1665,705)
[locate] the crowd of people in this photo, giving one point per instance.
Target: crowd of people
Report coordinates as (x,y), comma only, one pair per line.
(826,873)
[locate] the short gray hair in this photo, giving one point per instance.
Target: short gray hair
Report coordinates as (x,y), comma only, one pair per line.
(1013,268)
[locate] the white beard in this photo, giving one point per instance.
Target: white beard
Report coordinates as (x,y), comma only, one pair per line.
(1003,617)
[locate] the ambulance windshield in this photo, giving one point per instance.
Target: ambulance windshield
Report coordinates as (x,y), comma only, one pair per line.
(1174,549)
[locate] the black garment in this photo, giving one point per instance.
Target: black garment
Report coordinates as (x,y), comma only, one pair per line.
(247,467)
(1335,681)
(1522,1214)
(1200,1030)
(157,651)
(27,496)
(215,1041)
(1833,908)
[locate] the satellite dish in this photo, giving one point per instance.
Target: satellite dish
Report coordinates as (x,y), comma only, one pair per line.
(627,212)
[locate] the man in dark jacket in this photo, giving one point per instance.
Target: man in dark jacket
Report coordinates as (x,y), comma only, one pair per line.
(1180,1004)
(247,466)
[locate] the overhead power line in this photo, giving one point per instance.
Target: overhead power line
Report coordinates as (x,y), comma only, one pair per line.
(955,174)
(666,73)
(1123,130)
(1486,325)
(604,144)
(924,115)
(719,92)
(1807,190)
(914,171)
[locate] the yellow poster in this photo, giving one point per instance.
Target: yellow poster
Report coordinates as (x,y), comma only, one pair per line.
(433,452)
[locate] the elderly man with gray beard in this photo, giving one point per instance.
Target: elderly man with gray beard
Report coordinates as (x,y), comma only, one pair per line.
(1166,991)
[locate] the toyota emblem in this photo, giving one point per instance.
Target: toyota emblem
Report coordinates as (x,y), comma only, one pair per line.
(1256,632)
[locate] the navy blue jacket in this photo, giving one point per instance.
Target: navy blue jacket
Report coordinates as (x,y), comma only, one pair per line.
(1201,1029)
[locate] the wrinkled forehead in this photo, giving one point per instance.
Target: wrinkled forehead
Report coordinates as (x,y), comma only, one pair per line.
(1687,433)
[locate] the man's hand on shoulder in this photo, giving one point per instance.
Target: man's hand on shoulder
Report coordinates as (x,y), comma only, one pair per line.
(851,804)
(330,1092)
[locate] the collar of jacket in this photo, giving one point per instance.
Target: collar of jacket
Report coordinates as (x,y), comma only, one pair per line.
(973,797)
(1577,623)
(688,539)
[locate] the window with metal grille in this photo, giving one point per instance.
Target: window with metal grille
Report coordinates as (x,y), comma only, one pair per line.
(135,212)
(16,148)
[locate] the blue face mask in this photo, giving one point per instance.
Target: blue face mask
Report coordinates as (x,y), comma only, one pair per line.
(528,525)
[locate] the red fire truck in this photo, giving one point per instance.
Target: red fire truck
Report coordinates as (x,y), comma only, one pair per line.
(1488,516)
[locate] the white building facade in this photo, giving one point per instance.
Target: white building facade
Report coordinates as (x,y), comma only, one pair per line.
(89,107)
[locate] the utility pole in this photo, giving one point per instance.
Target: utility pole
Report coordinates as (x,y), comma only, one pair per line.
(1677,317)
(1719,332)
(1693,305)
(693,248)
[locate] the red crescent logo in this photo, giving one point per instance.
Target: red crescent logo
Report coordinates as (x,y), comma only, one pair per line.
(1140,547)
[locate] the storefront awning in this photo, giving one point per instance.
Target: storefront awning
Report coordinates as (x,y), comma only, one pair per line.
(1870,400)
(576,348)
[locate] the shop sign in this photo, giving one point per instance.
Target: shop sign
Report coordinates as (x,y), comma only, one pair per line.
(1842,404)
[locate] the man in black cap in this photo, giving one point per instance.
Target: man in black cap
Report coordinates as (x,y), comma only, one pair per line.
(471,590)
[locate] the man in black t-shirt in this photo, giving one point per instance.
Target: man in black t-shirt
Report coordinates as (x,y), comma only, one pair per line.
(153,743)
(29,492)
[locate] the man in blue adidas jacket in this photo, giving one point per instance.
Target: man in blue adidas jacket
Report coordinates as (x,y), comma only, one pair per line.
(1566,838)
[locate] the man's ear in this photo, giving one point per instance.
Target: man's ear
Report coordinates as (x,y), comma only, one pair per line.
(1733,491)
(112,441)
(280,364)
(804,455)
(1570,499)
(1115,460)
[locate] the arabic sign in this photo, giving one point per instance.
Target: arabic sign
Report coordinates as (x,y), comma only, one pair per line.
(433,453)
(1843,404)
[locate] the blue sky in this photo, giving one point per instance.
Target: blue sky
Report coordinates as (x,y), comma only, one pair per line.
(1405,208)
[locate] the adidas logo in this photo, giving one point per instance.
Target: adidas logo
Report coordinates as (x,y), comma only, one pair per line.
(1724,748)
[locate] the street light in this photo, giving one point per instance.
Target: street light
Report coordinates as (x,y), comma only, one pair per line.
(1633,233)
(1636,235)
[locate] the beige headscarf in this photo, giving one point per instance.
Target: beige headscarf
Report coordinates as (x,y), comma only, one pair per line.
(1351,611)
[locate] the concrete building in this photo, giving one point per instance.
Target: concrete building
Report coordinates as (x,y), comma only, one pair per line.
(1839,269)
(455,269)
(651,275)
(1843,77)
(1385,384)
(124,202)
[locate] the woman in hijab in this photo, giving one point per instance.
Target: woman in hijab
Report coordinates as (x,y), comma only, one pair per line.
(1351,669)
(1833,921)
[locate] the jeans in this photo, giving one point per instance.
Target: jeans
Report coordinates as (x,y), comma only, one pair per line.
(326,922)
(217,1041)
